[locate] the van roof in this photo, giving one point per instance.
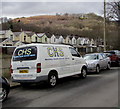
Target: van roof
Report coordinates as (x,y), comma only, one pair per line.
(37,44)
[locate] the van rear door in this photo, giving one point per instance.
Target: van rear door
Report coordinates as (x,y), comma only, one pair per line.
(24,63)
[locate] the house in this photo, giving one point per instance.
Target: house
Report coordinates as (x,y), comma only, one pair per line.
(53,39)
(34,38)
(16,36)
(86,41)
(25,36)
(6,38)
(78,41)
(7,42)
(92,42)
(68,40)
(4,34)
(41,37)
(82,41)
(61,40)
(74,41)
(18,43)
(9,34)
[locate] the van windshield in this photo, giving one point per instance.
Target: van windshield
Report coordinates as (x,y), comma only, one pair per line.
(26,53)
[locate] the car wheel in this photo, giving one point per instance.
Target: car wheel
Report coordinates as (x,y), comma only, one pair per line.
(83,73)
(108,66)
(97,69)
(3,94)
(52,80)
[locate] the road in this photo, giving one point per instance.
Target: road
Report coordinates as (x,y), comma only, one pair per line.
(97,90)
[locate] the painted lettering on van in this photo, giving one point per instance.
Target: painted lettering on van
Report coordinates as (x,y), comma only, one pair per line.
(24,52)
(55,52)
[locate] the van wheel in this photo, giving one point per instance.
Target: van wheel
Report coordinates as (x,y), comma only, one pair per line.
(83,73)
(52,80)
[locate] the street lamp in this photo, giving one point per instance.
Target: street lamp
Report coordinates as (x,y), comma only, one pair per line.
(104,25)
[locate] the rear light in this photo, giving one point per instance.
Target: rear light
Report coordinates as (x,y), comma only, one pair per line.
(11,70)
(38,67)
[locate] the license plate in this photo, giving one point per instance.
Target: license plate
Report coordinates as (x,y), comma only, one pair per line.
(23,71)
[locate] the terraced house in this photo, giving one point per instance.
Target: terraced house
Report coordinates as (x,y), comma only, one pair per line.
(9,38)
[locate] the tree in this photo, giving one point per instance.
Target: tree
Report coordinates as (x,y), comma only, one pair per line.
(113,13)
(113,10)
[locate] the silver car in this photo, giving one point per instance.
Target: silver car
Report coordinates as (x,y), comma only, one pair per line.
(97,61)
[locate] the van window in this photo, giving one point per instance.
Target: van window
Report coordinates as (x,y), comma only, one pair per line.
(26,53)
(74,52)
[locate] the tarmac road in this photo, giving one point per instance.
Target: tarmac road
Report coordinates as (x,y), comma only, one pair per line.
(97,90)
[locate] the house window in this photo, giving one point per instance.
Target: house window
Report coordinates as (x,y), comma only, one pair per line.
(24,38)
(54,40)
(8,44)
(11,37)
(45,39)
(68,41)
(35,39)
(74,41)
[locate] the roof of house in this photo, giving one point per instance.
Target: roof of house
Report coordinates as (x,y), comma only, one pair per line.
(29,33)
(40,34)
(2,39)
(17,33)
(7,40)
(17,42)
(3,32)
(57,37)
(70,37)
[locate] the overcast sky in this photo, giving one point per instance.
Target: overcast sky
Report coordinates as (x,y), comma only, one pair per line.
(26,9)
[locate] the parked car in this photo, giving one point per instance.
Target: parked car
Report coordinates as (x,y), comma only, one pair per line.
(34,63)
(114,56)
(97,61)
(4,88)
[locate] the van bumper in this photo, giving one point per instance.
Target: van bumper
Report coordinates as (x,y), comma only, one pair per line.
(38,79)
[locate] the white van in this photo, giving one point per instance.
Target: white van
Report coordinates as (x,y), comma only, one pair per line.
(39,62)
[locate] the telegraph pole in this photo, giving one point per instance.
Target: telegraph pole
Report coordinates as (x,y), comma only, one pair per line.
(104,25)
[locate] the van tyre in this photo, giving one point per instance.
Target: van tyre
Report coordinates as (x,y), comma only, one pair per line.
(83,73)
(52,80)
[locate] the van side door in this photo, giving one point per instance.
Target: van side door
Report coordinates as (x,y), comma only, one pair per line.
(76,60)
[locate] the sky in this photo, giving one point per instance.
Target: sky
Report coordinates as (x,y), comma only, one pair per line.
(12,9)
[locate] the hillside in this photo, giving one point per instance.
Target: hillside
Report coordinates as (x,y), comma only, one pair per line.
(61,24)
(87,25)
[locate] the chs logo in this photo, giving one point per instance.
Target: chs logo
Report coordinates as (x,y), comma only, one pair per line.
(24,52)
(55,52)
